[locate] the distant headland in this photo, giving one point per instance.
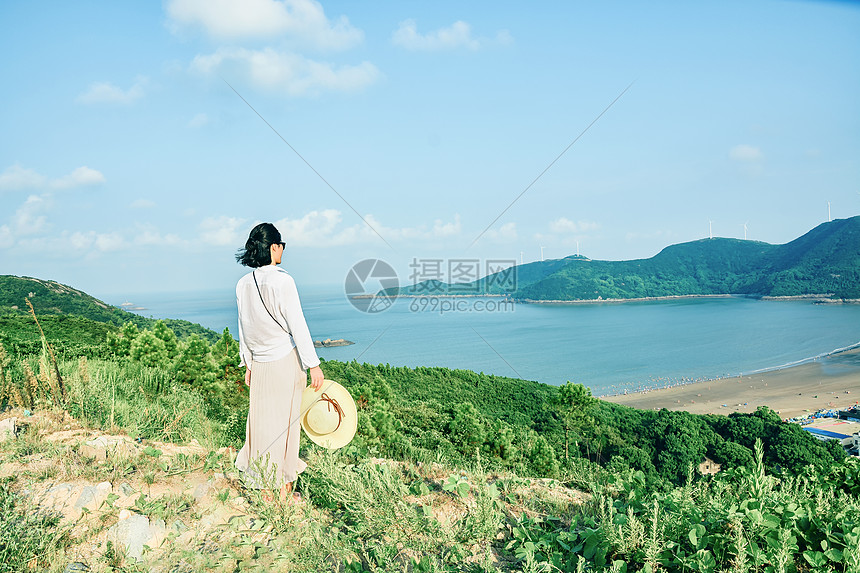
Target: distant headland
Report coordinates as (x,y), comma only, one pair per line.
(328,342)
(822,265)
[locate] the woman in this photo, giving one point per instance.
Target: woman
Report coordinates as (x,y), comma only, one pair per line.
(276,349)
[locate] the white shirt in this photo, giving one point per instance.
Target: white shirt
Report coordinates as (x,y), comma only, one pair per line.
(261,338)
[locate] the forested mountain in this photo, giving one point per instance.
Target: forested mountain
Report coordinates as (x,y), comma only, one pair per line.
(826,260)
(53,298)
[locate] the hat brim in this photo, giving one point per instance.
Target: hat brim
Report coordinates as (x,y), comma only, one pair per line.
(349,422)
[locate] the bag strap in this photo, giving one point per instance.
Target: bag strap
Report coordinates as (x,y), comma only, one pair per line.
(253,274)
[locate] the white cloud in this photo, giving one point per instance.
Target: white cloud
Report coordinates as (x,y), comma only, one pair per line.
(315,229)
(222,231)
(504,38)
(442,229)
(89,240)
(77,178)
(28,219)
(149,235)
(505,234)
(323,229)
(457,35)
(15,178)
(301,20)
(198,121)
(142,204)
(81,241)
(286,72)
(744,152)
(564,225)
(6,238)
(109,241)
(106,92)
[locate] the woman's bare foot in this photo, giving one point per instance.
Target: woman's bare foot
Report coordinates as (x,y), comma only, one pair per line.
(286,490)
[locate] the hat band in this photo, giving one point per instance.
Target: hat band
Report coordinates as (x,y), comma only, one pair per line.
(332,402)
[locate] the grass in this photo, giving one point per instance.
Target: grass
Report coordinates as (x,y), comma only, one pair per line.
(360,515)
(30,538)
(375,515)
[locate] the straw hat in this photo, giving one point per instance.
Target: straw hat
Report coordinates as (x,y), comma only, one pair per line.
(329,416)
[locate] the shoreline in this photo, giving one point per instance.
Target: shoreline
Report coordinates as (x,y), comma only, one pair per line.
(831,380)
(814,298)
(824,298)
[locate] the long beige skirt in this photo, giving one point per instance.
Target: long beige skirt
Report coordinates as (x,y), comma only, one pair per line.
(270,456)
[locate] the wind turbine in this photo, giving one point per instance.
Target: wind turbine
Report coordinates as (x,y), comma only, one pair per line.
(828,212)
(710,229)
(521,257)
(745,231)
(577,248)
(541,254)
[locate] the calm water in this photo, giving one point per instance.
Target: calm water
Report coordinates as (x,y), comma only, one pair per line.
(608,347)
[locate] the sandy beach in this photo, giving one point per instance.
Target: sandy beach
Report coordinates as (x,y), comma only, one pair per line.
(832,381)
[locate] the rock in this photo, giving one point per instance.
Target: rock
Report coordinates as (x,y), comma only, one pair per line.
(132,533)
(76,566)
(7,429)
(159,533)
(201,490)
(92,496)
(99,447)
(88,495)
(126,490)
(57,497)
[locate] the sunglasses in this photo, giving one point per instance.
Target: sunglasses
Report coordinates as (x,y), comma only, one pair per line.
(283,244)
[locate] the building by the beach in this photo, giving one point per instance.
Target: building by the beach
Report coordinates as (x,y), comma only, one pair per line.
(846,431)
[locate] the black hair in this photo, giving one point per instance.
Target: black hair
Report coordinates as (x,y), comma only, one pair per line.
(257,251)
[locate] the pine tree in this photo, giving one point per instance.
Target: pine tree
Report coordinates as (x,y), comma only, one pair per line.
(194,366)
(120,344)
(148,349)
(168,337)
(574,405)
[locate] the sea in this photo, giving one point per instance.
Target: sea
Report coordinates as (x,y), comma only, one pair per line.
(609,347)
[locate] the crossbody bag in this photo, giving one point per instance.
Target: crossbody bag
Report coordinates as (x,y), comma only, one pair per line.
(253,274)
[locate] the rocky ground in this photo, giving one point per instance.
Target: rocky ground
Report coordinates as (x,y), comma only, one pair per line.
(137,505)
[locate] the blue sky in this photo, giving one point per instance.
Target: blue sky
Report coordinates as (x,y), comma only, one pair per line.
(128,165)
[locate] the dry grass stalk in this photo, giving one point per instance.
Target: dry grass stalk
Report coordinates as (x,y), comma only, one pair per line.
(16,398)
(5,378)
(83,369)
(61,391)
(168,429)
(31,387)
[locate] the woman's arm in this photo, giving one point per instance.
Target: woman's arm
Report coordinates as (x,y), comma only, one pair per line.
(290,308)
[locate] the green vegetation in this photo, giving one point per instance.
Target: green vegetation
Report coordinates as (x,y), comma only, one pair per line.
(53,298)
(459,444)
(26,533)
(826,260)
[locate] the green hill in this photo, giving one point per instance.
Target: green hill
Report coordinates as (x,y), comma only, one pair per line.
(826,260)
(56,299)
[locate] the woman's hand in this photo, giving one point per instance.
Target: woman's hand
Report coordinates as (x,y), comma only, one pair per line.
(247,376)
(316,378)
